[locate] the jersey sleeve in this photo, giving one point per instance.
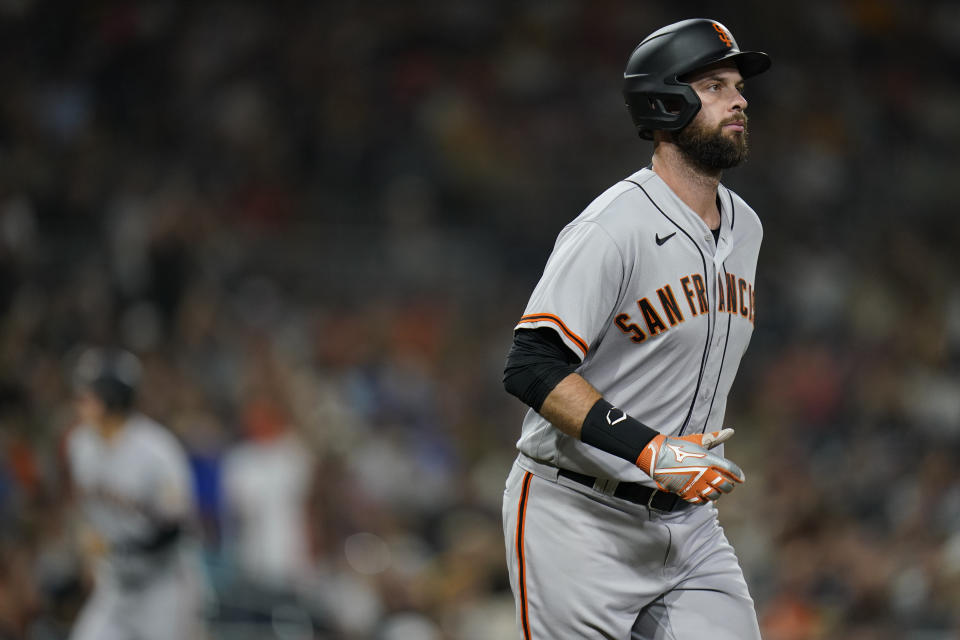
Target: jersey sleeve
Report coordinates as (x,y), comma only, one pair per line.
(78,456)
(579,287)
(170,483)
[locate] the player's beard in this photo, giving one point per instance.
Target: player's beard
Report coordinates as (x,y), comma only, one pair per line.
(711,149)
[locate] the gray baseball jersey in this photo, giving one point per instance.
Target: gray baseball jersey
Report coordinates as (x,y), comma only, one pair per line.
(659,312)
(128,487)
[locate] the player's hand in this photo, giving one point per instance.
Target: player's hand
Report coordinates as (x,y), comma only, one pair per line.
(710,440)
(685,466)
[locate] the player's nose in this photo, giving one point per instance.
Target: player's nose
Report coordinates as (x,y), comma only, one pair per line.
(739,103)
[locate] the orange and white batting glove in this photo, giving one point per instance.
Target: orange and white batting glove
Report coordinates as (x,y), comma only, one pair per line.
(685,466)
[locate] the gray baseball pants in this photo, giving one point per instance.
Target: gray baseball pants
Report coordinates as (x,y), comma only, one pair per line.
(168,607)
(587,565)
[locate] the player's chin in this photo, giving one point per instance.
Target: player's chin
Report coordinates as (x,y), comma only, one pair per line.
(736,146)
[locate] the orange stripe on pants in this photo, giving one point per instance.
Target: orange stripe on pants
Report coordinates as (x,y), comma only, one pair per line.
(522,573)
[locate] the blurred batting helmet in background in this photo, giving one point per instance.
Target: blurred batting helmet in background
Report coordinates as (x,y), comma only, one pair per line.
(656,96)
(112,374)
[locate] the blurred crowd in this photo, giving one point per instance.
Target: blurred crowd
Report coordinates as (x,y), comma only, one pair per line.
(318,222)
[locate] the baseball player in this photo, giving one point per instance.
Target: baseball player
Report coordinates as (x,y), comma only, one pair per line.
(626,352)
(135,489)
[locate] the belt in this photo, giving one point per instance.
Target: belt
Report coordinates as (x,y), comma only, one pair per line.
(634,492)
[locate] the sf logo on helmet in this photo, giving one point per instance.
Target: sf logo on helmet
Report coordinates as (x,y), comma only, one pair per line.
(723,35)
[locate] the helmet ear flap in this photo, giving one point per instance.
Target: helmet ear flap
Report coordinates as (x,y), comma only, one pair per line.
(667,104)
(669,109)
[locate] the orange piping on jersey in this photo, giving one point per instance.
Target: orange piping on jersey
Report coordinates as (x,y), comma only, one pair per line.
(522,570)
(549,317)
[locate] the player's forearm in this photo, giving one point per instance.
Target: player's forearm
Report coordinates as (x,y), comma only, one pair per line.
(568,404)
(577,409)
(539,371)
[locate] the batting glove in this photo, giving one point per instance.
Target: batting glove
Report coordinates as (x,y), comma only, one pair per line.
(684,466)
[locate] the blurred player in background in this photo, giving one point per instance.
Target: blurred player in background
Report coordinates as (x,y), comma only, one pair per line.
(132,479)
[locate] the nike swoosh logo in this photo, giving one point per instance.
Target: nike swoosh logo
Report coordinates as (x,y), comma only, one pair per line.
(660,240)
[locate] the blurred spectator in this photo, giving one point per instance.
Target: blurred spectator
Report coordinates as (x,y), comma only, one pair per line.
(266,483)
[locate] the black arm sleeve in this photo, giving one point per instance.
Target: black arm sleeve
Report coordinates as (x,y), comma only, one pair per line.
(537,362)
(160,539)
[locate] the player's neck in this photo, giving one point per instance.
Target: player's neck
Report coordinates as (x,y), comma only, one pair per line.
(696,188)
(111,425)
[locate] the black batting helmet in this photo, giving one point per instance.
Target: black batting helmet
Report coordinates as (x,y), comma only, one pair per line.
(656,96)
(112,374)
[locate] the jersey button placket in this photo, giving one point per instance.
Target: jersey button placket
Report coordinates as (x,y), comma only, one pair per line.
(705,387)
(708,384)
(719,335)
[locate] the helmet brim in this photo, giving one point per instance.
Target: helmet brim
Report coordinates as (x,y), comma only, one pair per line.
(751,63)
